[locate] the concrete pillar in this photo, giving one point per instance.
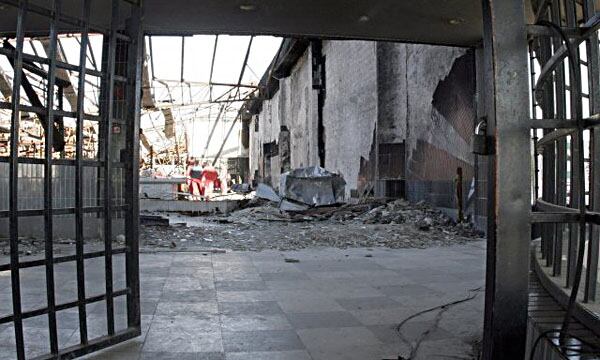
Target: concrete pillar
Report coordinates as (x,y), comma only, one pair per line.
(509,192)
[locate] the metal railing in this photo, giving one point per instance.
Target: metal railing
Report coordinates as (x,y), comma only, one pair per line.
(565,103)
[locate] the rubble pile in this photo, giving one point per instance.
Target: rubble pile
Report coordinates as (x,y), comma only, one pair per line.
(263,225)
(374,223)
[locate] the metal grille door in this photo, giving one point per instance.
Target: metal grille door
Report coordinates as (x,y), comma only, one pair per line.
(73,69)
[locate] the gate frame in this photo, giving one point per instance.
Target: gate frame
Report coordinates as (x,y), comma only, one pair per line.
(129,158)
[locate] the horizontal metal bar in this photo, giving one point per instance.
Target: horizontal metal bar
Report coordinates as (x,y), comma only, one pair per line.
(235,85)
(590,122)
(554,217)
(42,111)
(64,306)
(59,64)
(62,211)
(64,162)
(553,136)
(545,206)
(540,30)
(63,259)
(43,74)
(591,217)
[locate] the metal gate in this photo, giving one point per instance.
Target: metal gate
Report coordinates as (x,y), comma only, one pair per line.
(49,86)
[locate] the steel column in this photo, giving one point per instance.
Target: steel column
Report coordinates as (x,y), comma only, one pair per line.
(509,193)
(134,81)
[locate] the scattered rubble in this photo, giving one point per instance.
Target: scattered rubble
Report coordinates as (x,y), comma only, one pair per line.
(262,225)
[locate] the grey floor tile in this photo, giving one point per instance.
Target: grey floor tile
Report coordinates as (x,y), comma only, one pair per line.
(240,285)
(247,308)
(252,341)
(323,320)
(246,296)
(270,355)
(337,338)
(307,304)
(338,265)
(254,322)
(184,334)
(367,303)
(386,316)
(182,356)
(411,331)
(284,276)
(364,352)
(187,283)
(186,309)
(187,296)
(414,290)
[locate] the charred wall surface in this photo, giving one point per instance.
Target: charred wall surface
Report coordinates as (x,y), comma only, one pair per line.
(293,109)
(350,111)
(397,120)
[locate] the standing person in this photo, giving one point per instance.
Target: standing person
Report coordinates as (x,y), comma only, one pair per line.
(209,176)
(194,179)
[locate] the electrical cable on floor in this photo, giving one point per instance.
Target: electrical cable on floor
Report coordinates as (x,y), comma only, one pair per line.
(414,349)
(564,331)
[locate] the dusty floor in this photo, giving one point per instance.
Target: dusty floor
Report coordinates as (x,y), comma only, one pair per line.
(260,284)
(331,304)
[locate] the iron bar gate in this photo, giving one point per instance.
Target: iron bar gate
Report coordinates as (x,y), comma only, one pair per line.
(113,166)
(565,101)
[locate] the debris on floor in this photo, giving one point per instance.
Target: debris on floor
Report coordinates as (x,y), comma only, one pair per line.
(263,225)
(312,186)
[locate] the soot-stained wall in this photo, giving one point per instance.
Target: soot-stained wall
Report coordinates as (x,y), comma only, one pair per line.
(350,111)
(293,106)
(416,99)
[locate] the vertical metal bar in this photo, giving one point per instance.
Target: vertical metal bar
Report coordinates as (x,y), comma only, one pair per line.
(578,170)
(134,78)
(561,148)
(536,165)
(593,59)
(151,56)
(212,68)
(226,138)
(14,181)
(182,61)
(181,78)
(107,94)
(545,95)
(577,175)
(48,203)
(509,195)
(79,248)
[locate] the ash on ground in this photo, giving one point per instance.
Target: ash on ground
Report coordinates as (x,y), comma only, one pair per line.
(261,226)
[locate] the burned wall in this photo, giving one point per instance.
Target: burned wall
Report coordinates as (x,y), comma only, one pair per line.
(391,112)
(292,108)
(350,110)
(441,116)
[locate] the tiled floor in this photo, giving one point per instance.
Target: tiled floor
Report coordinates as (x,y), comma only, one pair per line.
(332,304)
